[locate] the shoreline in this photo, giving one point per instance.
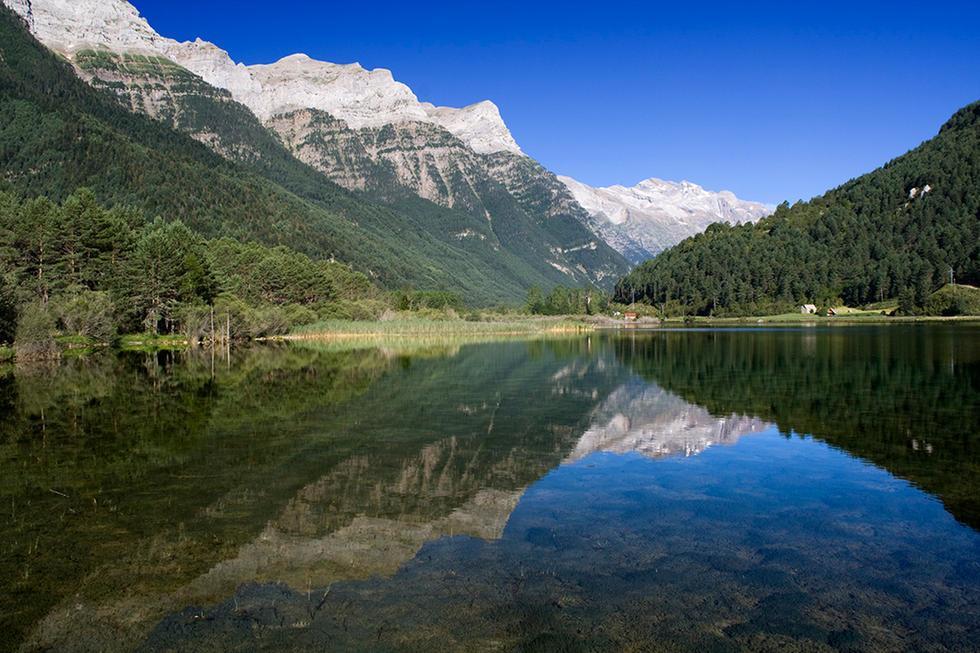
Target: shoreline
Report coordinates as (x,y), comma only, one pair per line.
(529,327)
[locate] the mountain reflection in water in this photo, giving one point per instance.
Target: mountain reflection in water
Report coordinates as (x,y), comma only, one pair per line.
(547,495)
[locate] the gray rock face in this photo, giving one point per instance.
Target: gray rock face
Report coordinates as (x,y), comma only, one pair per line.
(421,157)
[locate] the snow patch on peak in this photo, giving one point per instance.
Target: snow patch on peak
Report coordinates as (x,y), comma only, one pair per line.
(658,214)
(360,97)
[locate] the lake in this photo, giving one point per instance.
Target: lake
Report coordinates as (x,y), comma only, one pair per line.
(809,489)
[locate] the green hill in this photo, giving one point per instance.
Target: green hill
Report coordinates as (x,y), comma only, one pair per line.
(901,228)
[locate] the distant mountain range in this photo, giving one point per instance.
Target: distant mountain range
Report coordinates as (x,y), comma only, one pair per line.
(642,221)
(455,178)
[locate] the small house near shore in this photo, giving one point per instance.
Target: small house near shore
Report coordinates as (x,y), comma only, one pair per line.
(808,309)
(630,316)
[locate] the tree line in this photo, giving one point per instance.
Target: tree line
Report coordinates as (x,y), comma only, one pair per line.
(80,269)
(563,300)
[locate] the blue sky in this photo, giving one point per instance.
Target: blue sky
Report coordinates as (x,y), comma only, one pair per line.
(770,100)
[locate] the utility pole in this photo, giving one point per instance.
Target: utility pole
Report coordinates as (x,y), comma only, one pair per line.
(951,275)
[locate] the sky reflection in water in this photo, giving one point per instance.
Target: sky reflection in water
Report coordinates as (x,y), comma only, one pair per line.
(592,494)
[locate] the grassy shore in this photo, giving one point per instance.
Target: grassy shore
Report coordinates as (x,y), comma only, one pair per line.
(415,327)
(450,332)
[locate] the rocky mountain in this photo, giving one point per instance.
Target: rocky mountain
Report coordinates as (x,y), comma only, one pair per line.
(644,220)
(370,134)
(361,98)
(379,140)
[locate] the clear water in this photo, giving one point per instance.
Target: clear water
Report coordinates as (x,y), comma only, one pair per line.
(795,489)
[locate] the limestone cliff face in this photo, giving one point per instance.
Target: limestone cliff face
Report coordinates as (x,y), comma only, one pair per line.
(359,96)
(420,157)
(329,145)
(361,128)
(161,89)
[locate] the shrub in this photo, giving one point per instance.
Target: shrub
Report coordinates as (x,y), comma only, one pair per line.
(36,330)
(195,322)
(85,313)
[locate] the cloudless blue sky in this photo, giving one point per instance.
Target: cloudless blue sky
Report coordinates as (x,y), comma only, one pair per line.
(772,100)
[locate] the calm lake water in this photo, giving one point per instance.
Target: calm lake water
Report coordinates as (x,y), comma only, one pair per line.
(799,489)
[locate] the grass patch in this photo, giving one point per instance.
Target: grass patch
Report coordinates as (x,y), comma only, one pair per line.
(414,327)
(151,342)
(6,354)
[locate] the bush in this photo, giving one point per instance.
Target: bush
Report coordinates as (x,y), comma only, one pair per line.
(86,313)
(36,330)
(954,300)
(195,322)
(298,315)
(906,302)
(414,300)
(239,318)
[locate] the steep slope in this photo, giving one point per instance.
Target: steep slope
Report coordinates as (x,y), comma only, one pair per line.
(360,128)
(644,220)
(395,163)
(905,226)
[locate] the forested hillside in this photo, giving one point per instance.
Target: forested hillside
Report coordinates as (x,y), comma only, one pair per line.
(58,134)
(898,230)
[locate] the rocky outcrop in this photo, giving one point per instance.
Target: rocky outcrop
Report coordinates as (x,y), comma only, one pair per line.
(361,129)
(516,202)
(421,157)
(368,132)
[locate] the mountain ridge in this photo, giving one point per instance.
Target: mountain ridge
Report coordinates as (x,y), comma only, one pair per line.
(359,96)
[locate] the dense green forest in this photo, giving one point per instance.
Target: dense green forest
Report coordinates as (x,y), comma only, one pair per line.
(86,274)
(900,230)
(79,269)
(58,134)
